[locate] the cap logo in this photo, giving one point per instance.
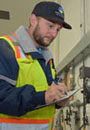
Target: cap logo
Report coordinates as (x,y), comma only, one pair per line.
(60,10)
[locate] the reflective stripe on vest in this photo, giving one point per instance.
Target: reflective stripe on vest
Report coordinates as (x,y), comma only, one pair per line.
(25,121)
(18,50)
(12,37)
(10,126)
(25,124)
(19,53)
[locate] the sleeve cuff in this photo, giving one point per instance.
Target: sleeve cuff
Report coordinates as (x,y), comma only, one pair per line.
(57,107)
(39,98)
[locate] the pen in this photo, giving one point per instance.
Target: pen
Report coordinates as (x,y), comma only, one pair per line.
(55,82)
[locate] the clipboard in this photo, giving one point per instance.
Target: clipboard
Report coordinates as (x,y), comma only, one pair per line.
(63,98)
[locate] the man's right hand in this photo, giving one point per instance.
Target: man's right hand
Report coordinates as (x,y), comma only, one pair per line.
(55,92)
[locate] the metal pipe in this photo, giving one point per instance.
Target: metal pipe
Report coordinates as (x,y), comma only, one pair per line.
(83,19)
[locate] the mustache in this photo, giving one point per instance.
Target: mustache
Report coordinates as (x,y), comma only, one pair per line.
(50,37)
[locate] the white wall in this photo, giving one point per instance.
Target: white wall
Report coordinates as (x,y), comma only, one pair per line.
(68,39)
(19,14)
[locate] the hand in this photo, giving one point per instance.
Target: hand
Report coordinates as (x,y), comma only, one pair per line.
(55,92)
(63,103)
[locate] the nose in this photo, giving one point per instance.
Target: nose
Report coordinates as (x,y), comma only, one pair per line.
(54,32)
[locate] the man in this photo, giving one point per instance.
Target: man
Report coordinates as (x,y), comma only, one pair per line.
(27,70)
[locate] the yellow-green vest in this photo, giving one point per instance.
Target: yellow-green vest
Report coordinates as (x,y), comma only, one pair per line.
(30,72)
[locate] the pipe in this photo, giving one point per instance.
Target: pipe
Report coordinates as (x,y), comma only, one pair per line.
(83,18)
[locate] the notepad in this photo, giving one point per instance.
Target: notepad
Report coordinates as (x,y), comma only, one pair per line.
(63,98)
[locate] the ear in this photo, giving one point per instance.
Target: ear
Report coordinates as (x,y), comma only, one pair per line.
(33,20)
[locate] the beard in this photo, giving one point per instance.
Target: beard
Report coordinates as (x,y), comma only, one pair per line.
(41,39)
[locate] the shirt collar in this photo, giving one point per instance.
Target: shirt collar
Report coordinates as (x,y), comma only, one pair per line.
(25,41)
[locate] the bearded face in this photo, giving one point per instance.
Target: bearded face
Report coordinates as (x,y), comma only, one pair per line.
(40,38)
(45,32)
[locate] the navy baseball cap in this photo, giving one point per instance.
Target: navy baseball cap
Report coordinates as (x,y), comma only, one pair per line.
(51,11)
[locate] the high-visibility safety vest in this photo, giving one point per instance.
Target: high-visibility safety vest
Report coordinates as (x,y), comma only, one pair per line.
(29,68)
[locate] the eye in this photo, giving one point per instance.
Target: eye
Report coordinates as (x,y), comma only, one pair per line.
(50,25)
(58,29)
